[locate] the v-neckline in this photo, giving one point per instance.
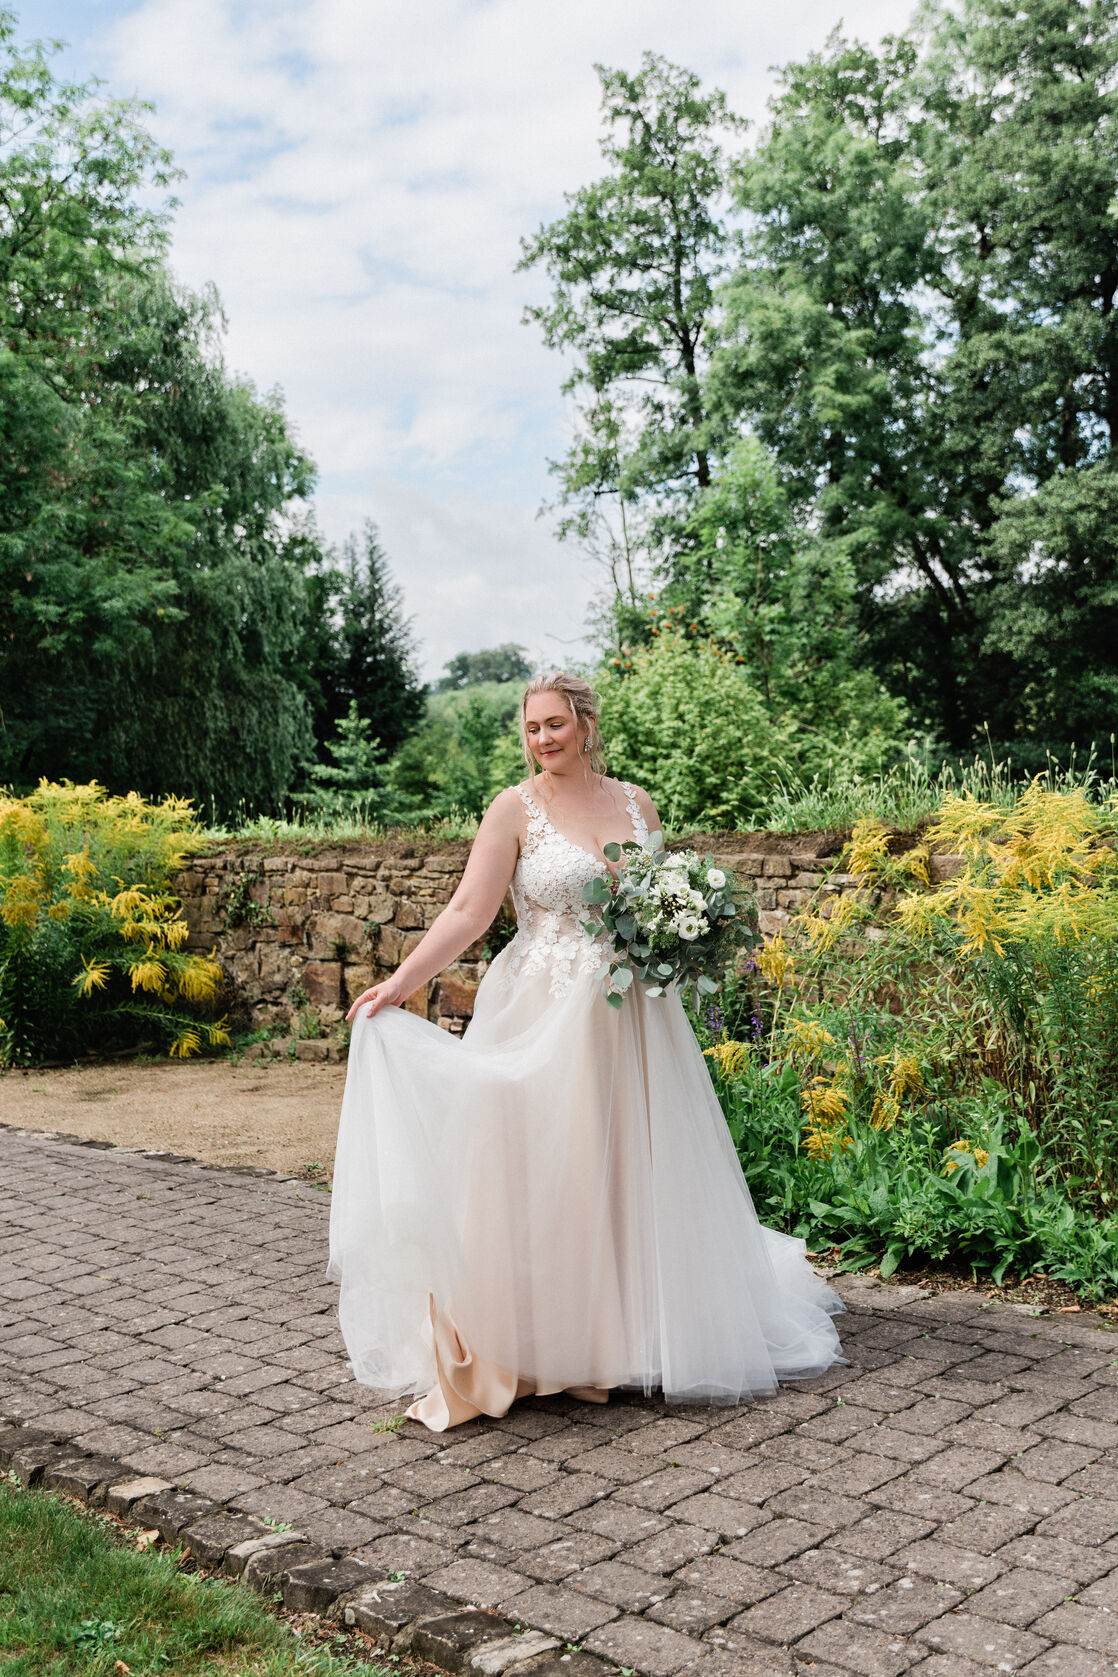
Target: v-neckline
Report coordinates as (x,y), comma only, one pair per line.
(581,848)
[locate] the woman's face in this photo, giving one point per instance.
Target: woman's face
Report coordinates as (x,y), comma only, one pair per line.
(553,737)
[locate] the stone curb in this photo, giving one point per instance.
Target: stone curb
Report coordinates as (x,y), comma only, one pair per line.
(407,1617)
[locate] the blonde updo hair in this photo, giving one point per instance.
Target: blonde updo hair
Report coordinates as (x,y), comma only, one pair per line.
(582,701)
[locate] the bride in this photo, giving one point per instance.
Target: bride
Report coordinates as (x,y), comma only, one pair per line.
(552,1202)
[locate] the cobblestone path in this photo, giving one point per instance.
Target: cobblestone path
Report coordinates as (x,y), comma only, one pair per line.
(946,1506)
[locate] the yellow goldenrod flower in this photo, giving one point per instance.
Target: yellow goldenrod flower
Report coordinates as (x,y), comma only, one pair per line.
(23,901)
(979,1155)
(905,1077)
(915,862)
(886,1110)
(822,929)
(188,1041)
(729,1057)
(148,973)
(200,978)
(963,824)
(94,977)
(868,848)
(774,961)
(807,1036)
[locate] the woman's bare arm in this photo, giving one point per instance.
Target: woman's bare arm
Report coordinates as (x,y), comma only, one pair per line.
(470,910)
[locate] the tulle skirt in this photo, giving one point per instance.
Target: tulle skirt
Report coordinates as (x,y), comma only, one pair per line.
(554,1201)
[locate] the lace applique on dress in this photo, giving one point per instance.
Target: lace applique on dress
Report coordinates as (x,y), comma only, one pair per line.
(547,893)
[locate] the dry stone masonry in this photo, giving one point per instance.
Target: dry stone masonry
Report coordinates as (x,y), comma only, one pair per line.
(323,927)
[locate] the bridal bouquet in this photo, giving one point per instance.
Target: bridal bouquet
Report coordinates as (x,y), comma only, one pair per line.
(675,918)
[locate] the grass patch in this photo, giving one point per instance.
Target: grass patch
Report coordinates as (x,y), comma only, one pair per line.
(75,1598)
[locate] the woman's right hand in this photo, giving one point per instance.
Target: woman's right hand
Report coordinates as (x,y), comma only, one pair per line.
(389,993)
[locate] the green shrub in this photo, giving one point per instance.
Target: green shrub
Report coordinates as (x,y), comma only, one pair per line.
(938,1077)
(91,937)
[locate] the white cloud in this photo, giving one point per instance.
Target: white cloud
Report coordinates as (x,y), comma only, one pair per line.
(360,175)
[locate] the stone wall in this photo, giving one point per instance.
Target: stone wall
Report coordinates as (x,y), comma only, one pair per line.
(324,927)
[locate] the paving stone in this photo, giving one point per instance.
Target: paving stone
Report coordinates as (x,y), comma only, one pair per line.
(449,1641)
(1090,1627)
(903,1606)
(1020,1596)
(563,1612)
(208,1539)
(1104,1593)
(615,1519)
(949,1564)
(857,1648)
(313,1585)
(169,1511)
(267,1566)
(197,1342)
(479,1583)
(1085,1521)
(86,1477)
(31,1461)
(692,1611)
(385,1607)
(733,1580)
(987,1528)
(777,1540)
(238,1557)
(983,1640)
(1066,1660)
(642,1645)
(790,1614)
(555,1561)
(341,1529)
(1058,1555)
(830,1569)
(491,1659)
(576,1664)
(666,1487)
(948,1665)
(727,1654)
(120,1497)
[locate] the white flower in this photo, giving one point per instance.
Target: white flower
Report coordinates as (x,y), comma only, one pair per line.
(689,926)
(673,884)
(716,879)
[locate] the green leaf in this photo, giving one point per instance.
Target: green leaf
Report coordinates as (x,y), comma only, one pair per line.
(614,1001)
(611,851)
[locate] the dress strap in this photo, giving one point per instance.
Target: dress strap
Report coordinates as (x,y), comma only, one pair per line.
(537,820)
(640,825)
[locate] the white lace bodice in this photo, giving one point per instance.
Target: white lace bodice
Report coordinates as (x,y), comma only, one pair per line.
(547,893)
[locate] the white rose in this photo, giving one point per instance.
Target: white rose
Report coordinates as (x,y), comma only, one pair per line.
(689,926)
(716,879)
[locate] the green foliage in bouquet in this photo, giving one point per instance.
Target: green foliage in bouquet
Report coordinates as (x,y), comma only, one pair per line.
(675,918)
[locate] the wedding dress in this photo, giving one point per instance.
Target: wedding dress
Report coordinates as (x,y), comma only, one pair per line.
(553,1200)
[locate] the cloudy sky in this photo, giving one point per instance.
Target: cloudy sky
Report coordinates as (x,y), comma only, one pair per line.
(359,175)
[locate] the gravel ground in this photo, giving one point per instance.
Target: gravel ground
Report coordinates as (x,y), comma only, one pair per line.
(282,1115)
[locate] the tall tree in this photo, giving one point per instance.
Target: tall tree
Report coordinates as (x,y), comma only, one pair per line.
(369,656)
(634,265)
(923,331)
(494,663)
